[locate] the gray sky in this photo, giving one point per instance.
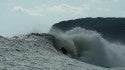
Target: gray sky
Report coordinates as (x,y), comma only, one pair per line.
(26,16)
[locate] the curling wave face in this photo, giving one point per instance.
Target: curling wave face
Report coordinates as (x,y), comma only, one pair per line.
(89,46)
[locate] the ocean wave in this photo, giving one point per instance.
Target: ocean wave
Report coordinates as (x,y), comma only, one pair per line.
(90,47)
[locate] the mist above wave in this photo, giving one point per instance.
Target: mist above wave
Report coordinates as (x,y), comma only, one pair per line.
(89,46)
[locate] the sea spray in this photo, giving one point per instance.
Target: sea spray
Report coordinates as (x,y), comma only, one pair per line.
(88,46)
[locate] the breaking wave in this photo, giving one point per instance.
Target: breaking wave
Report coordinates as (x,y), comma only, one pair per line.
(89,46)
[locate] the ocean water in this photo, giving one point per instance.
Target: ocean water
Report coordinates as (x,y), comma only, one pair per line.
(90,47)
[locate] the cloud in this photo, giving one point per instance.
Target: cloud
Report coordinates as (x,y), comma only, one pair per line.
(26,11)
(61,9)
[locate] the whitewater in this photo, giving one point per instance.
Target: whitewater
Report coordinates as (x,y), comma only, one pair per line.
(90,47)
(36,52)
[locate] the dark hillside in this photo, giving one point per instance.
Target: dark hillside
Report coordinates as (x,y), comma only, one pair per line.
(110,28)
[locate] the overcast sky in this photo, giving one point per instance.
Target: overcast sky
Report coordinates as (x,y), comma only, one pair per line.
(26,16)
